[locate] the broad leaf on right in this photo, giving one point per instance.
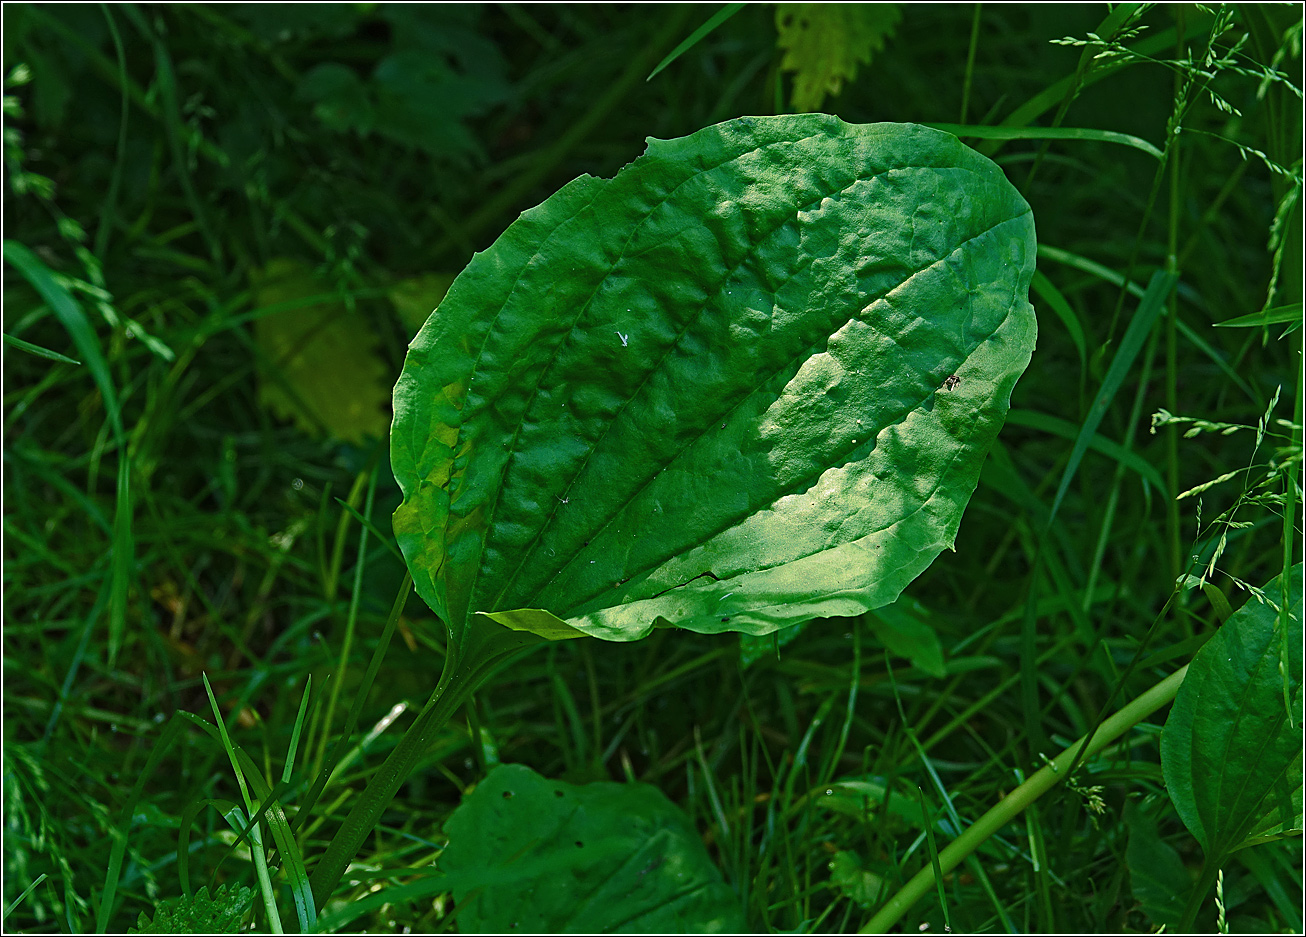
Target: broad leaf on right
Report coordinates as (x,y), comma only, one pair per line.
(1231,751)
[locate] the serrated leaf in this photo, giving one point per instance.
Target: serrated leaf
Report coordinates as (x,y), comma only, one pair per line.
(199,914)
(324,371)
(713,392)
(825,42)
(1231,758)
(1157,874)
(530,855)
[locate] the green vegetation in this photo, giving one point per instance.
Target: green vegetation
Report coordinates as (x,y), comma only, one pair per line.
(225,224)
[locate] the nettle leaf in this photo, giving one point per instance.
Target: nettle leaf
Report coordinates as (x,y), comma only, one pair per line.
(198,913)
(1231,758)
(825,42)
(747,382)
(531,855)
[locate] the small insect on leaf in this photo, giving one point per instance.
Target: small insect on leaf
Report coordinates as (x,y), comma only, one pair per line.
(951,381)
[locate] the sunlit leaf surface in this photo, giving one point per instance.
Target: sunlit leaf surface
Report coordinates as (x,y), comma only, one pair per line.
(748,381)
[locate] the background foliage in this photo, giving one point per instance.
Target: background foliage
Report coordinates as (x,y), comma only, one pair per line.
(254,206)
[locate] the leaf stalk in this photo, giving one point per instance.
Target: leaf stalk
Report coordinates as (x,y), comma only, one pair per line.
(1011,806)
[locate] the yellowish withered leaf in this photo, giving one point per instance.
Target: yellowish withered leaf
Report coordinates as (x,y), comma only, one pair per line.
(320,366)
(825,42)
(416,297)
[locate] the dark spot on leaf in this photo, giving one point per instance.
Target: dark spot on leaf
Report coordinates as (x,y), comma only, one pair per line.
(579,843)
(726,618)
(507,794)
(557,794)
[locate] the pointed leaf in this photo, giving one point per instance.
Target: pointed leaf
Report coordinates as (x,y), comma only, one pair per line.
(904,629)
(717,391)
(1232,759)
(535,856)
(1156,872)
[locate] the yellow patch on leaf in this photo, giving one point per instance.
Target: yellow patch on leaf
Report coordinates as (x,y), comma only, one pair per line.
(320,364)
(825,42)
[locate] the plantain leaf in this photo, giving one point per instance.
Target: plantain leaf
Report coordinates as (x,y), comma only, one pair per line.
(1231,757)
(531,855)
(747,382)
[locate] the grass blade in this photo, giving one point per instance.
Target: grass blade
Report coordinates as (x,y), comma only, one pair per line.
(1149,308)
(170,734)
(1275,316)
(26,891)
(982,132)
(38,350)
(719,17)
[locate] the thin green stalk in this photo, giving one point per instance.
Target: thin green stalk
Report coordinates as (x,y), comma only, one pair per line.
(1011,806)
(473,656)
(1201,888)
(1171,340)
(970,63)
(109,209)
(351,620)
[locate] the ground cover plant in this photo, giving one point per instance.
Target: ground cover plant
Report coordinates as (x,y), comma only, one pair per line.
(226,225)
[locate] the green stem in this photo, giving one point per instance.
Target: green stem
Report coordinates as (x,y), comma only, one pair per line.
(473,656)
(1201,888)
(1011,806)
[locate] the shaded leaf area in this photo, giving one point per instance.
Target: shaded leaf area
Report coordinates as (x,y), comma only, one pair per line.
(714,391)
(853,880)
(1157,874)
(531,855)
(441,72)
(323,367)
(1231,756)
(198,913)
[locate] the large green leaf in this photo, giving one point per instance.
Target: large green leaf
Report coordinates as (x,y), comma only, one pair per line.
(715,391)
(531,855)
(1232,759)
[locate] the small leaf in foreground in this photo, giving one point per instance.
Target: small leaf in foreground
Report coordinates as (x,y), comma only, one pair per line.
(1232,760)
(530,855)
(199,914)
